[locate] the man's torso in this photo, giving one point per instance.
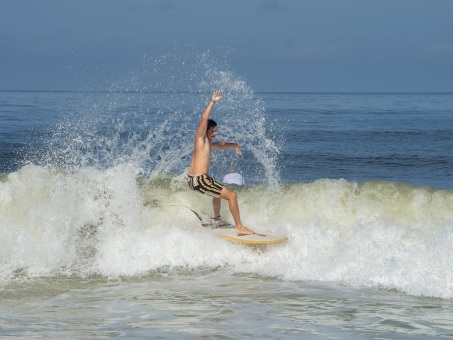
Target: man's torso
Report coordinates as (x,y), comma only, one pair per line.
(201,158)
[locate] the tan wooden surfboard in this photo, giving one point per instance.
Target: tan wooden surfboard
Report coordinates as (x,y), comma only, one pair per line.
(261,237)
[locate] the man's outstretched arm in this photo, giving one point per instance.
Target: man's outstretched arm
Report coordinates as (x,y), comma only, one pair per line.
(227,145)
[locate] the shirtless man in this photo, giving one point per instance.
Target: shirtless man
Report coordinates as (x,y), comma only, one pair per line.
(198,178)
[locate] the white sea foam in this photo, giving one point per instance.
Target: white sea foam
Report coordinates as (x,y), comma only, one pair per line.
(108,223)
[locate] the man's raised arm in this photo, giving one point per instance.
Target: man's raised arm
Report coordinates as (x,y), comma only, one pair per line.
(201,132)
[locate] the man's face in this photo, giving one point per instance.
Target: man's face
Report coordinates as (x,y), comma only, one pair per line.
(211,133)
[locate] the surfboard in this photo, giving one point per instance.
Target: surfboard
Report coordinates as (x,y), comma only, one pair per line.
(261,237)
(228,232)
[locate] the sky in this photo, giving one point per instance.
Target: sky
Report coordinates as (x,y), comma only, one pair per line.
(274,45)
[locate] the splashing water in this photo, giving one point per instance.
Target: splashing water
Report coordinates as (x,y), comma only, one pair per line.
(151,127)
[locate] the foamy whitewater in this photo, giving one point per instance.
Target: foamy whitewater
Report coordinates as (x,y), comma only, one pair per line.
(376,234)
(97,227)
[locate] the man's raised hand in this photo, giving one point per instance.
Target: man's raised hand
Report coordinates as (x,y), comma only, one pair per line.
(216,96)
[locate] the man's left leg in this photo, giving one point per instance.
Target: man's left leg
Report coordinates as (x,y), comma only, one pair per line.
(231,197)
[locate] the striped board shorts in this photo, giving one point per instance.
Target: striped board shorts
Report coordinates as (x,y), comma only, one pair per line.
(205,184)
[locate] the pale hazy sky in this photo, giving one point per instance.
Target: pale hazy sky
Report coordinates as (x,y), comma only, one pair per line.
(275,45)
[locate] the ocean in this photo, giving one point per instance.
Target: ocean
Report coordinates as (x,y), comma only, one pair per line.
(98,240)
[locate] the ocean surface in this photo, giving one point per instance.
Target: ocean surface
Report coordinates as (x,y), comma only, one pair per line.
(97,239)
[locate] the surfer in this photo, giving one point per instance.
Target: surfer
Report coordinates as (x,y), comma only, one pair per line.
(198,178)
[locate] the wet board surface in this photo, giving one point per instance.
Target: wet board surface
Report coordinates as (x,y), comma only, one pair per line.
(261,237)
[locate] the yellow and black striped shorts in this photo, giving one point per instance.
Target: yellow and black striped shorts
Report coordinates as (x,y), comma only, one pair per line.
(205,184)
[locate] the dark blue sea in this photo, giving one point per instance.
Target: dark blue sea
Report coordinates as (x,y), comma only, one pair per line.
(360,137)
(97,241)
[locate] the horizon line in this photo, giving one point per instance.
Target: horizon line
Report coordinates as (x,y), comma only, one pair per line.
(257,92)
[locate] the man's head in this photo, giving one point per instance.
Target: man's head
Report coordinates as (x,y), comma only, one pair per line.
(211,123)
(212,129)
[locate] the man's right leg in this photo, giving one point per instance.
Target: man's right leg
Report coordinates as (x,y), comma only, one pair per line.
(217,220)
(216,205)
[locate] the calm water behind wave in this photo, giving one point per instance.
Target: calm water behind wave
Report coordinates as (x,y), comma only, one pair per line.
(359,137)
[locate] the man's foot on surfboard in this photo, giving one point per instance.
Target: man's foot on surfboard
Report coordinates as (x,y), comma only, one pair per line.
(244,231)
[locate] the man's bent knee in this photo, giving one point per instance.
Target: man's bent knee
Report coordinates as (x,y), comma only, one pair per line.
(228,194)
(232,196)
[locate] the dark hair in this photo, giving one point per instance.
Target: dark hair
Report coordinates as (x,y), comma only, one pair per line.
(211,123)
